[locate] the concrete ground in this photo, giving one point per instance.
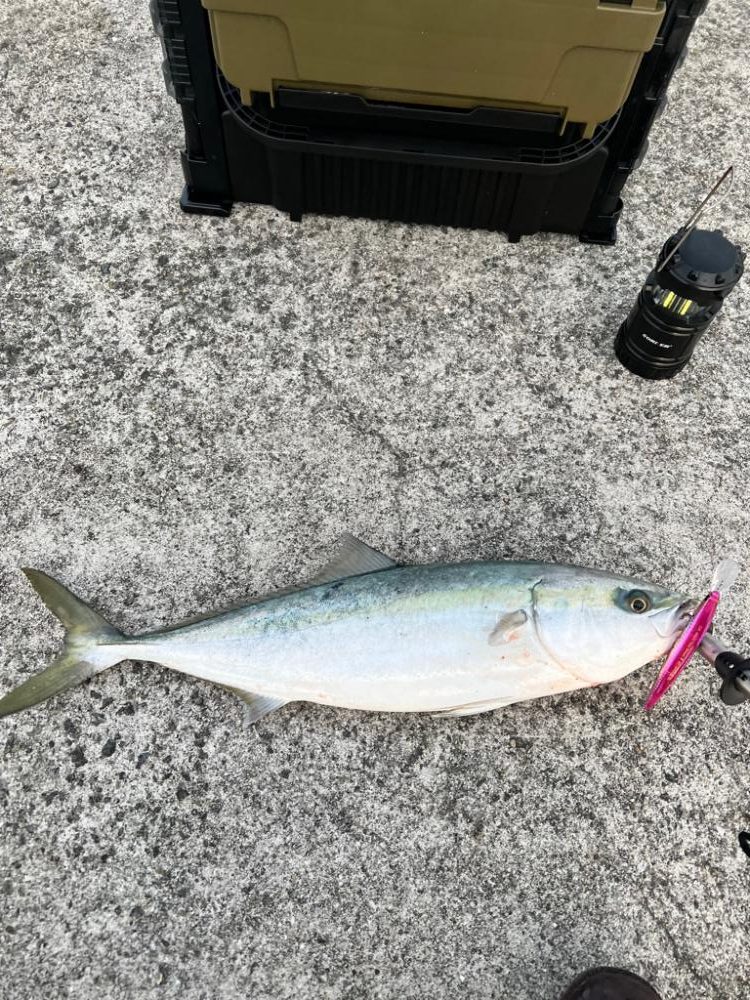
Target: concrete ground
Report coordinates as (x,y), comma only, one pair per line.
(193,409)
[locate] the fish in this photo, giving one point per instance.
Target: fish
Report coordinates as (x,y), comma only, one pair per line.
(366,633)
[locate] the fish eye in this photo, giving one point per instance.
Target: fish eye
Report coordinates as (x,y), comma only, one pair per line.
(638,602)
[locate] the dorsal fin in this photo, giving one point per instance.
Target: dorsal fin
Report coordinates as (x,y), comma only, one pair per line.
(353,558)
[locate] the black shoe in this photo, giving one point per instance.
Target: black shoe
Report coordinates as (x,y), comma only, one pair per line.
(609,984)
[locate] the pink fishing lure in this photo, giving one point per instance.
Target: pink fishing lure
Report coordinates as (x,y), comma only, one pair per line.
(695,631)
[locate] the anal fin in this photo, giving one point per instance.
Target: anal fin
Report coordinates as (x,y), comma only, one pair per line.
(257,705)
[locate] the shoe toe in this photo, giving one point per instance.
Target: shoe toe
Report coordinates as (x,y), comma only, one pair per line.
(609,984)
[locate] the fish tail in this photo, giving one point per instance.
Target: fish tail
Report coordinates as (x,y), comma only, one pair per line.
(84,652)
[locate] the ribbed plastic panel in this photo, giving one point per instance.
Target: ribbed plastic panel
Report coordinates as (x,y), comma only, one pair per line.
(410,192)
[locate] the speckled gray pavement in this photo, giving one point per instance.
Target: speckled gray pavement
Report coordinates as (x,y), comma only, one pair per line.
(193,409)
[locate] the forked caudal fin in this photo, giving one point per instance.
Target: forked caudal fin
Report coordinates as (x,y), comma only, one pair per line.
(84,653)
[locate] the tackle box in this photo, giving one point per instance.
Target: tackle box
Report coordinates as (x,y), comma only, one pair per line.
(511,115)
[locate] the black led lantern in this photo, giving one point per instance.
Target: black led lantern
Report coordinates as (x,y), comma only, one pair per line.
(696,270)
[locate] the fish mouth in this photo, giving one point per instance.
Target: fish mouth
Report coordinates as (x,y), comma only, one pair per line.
(675,620)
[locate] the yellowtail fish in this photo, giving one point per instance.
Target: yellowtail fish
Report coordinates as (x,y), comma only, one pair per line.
(368,634)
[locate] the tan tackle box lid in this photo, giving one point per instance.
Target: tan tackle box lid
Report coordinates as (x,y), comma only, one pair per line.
(575,57)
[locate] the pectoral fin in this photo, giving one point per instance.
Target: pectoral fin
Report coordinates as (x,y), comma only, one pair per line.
(508,627)
(257,705)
